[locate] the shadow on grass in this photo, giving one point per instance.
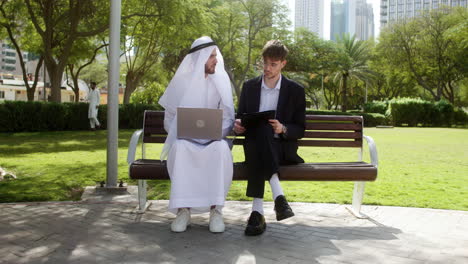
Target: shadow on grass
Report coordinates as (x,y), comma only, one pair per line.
(19,144)
(66,183)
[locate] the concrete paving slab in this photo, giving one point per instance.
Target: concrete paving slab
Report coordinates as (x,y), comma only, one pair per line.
(111,231)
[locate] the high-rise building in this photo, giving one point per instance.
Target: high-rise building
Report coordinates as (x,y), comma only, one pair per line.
(9,63)
(397,10)
(310,14)
(354,17)
(364,20)
(339,18)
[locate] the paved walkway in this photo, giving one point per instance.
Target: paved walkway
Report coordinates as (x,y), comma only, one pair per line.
(111,232)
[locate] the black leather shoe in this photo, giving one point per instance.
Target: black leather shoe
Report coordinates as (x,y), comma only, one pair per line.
(282,208)
(256,224)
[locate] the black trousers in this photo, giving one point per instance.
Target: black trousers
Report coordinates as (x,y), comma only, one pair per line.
(262,156)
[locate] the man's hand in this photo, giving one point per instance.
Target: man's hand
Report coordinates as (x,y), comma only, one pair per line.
(277,126)
(238,128)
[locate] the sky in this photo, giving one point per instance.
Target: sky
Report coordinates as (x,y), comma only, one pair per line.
(375,6)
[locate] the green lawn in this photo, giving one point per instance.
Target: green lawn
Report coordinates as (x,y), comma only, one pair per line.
(418,167)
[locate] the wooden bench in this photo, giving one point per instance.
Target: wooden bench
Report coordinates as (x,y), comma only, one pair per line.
(321,131)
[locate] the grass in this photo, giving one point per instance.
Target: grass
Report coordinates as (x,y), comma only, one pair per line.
(418,167)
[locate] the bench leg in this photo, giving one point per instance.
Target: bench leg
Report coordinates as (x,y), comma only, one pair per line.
(142,202)
(358,194)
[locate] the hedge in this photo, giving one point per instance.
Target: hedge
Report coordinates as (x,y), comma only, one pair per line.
(376,107)
(414,112)
(18,116)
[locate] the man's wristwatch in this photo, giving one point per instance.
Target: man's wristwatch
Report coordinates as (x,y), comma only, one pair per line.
(285,130)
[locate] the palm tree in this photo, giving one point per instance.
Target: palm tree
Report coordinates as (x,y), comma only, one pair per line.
(355,54)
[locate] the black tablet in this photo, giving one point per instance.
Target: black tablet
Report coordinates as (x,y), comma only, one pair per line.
(252,119)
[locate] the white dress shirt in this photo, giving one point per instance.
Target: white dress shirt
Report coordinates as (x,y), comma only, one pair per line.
(269,96)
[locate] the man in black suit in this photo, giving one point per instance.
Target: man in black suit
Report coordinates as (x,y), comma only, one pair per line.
(271,143)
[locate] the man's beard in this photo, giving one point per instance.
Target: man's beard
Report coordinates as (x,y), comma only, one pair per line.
(209,71)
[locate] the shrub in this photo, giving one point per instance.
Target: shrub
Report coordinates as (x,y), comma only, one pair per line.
(415,111)
(376,107)
(460,117)
(77,116)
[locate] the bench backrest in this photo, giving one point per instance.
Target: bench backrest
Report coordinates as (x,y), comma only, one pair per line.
(321,130)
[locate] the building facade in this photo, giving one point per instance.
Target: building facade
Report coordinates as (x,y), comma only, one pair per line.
(353,17)
(310,14)
(339,19)
(397,10)
(364,20)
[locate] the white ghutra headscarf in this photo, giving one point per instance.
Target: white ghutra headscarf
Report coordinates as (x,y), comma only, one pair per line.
(188,87)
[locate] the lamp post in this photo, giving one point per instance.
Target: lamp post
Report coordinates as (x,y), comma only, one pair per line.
(113,94)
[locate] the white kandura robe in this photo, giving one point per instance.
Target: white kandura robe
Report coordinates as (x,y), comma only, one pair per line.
(200,174)
(93,99)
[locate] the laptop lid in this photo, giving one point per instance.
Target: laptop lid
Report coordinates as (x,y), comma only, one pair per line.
(199,123)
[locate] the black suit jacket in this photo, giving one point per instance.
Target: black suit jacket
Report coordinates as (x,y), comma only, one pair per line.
(290,111)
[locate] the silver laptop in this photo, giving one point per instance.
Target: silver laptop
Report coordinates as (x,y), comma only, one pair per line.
(199,123)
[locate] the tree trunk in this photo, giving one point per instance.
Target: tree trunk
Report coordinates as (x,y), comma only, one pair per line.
(30,92)
(131,83)
(55,75)
(76,90)
(344,96)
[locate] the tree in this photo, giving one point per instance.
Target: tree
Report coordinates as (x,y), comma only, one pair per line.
(84,52)
(422,47)
(313,60)
(173,25)
(353,65)
(242,28)
(59,24)
(12,19)
(390,82)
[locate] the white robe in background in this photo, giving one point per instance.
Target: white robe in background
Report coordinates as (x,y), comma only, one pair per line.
(94,100)
(200,174)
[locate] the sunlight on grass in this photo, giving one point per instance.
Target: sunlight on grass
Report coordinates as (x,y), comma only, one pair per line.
(418,167)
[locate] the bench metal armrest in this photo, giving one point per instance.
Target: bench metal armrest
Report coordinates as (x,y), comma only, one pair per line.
(372,150)
(133,145)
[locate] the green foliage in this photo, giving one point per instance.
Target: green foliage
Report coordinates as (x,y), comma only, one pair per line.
(149,94)
(460,117)
(415,111)
(376,107)
(242,27)
(18,116)
(131,115)
(161,28)
(429,50)
(353,66)
(311,62)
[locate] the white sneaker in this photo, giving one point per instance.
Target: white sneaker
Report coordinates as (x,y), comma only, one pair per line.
(181,221)
(216,221)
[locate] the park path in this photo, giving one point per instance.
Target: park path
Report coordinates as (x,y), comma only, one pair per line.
(110,231)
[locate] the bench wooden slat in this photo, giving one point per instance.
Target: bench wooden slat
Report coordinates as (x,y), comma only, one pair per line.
(349,135)
(357,119)
(150,139)
(154,114)
(333,171)
(357,143)
(330,143)
(155,130)
(153,122)
(333,126)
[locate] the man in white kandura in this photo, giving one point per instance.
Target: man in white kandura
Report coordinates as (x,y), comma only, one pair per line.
(200,170)
(93,99)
